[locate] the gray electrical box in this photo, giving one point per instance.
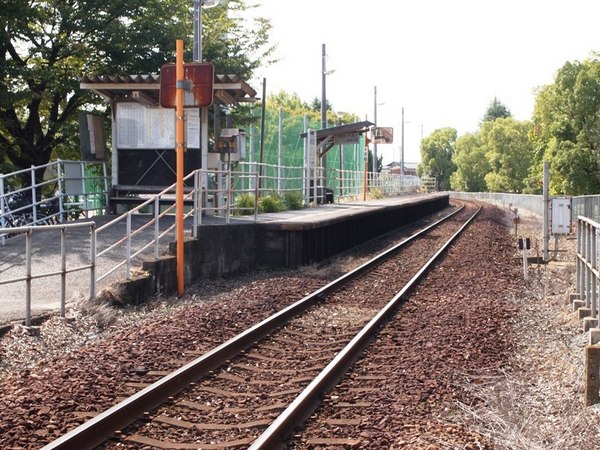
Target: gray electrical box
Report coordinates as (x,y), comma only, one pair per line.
(561,215)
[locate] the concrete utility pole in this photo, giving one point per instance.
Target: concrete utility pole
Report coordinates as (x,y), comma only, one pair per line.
(323,88)
(375,123)
(402,147)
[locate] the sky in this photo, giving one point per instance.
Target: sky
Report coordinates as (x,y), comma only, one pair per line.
(442,61)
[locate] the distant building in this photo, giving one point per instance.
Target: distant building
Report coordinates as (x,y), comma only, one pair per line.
(394,168)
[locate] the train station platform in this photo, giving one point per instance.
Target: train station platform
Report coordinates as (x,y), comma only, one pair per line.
(287,239)
(275,240)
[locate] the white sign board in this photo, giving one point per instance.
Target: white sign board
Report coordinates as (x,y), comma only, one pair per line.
(561,215)
(145,127)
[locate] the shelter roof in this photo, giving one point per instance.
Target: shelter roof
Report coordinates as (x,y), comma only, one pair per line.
(328,137)
(228,89)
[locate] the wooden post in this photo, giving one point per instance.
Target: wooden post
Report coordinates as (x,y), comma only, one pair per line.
(592,374)
(179,138)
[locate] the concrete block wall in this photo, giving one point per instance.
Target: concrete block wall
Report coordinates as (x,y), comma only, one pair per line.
(222,250)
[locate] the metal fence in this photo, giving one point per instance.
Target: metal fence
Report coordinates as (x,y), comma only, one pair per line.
(587,263)
(531,203)
(143,230)
(68,190)
(28,276)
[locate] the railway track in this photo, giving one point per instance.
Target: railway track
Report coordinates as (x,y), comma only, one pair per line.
(255,389)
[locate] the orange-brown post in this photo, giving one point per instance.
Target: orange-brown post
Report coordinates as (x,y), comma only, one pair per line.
(179,139)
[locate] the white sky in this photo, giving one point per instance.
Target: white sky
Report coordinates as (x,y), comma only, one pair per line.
(443,61)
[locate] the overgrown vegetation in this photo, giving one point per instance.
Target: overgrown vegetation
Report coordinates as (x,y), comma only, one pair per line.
(271,203)
(244,204)
(293,200)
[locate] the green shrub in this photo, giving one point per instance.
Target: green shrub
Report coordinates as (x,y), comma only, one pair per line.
(271,203)
(294,200)
(376,194)
(244,204)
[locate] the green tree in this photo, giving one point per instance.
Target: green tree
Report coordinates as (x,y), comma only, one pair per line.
(45,46)
(509,153)
(437,150)
(471,164)
(496,110)
(566,129)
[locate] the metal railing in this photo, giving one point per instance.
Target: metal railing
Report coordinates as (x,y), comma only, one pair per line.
(162,204)
(531,203)
(587,264)
(28,276)
(69,189)
(141,232)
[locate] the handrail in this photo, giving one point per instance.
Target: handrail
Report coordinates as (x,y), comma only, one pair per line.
(588,263)
(23,206)
(28,277)
(157,235)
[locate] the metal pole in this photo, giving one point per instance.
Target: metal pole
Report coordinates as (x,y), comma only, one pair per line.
(28,256)
(92,262)
(545,216)
(33,194)
(197,217)
(306,164)
(279,150)
(262,134)
(323,88)
(156,227)
(61,198)
(402,148)
(180,139)
(63,271)
(128,247)
(197,50)
(2,209)
(84,190)
(375,142)
(104,174)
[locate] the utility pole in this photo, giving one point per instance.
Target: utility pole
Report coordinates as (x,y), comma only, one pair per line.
(375,141)
(402,148)
(323,89)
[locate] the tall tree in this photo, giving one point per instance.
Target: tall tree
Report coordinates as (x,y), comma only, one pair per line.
(46,45)
(509,153)
(471,163)
(566,129)
(496,110)
(437,150)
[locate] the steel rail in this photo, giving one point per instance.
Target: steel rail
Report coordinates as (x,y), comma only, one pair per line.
(308,400)
(97,430)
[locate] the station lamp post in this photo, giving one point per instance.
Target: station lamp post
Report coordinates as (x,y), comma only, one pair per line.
(198,5)
(324,73)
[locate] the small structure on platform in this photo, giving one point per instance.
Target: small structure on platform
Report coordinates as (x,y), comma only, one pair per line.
(143,133)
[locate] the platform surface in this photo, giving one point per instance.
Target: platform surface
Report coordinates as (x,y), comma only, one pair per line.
(46,251)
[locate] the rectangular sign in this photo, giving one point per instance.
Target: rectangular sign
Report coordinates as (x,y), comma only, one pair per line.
(199,77)
(145,127)
(383,135)
(346,138)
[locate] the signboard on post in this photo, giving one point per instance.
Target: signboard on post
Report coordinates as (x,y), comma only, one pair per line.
(383,135)
(199,79)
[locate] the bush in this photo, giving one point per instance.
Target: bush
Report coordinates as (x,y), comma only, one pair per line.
(271,203)
(376,194)
(294,200)
(244,204)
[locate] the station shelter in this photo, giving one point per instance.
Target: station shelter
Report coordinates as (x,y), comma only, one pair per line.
(143,156)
